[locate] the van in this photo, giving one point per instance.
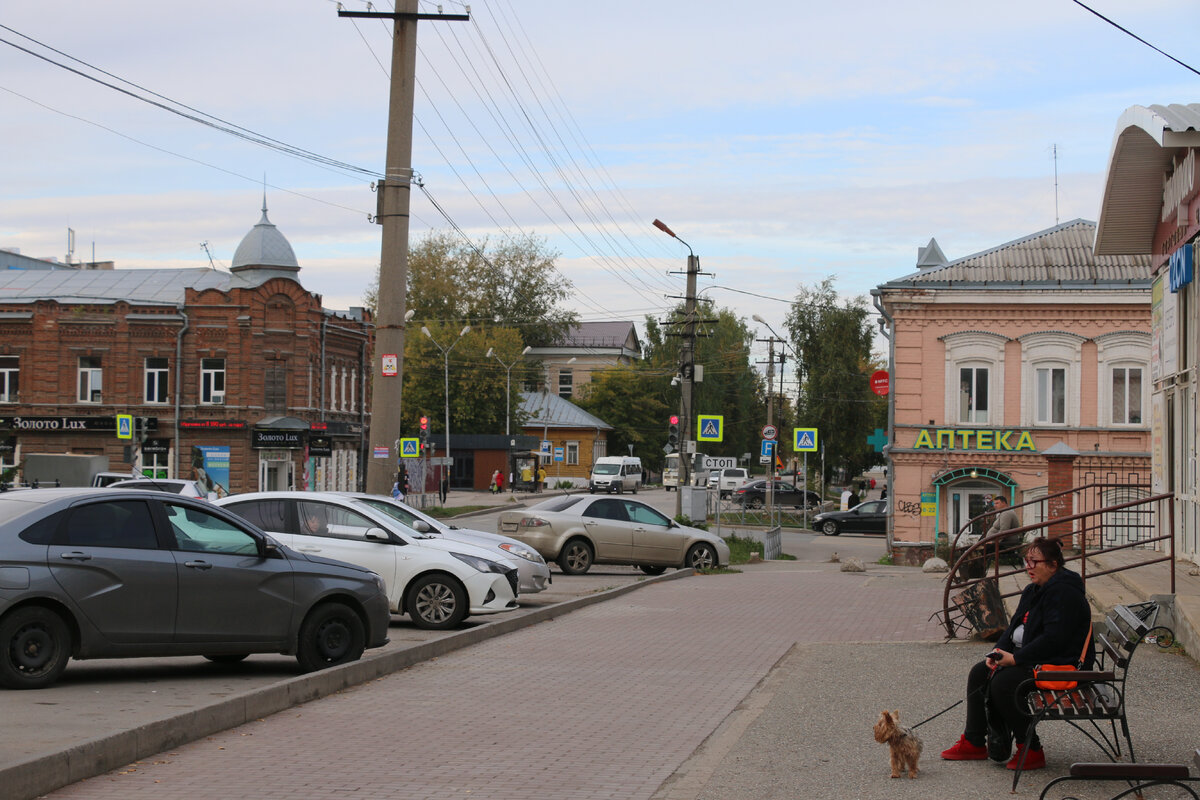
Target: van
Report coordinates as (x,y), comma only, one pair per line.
(727,479)
(616,474)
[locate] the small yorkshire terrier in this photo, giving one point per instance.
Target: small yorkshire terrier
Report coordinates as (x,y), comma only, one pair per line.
(904,744)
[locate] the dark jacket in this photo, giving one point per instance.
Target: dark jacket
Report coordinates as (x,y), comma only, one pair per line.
(1057,617)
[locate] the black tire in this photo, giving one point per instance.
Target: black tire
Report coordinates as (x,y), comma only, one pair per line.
(635,488)
(830,528)
(228,658)
(701,556)
(651,570)
(576,557)
(754,502)
(437,602)
(331,634)
(36,644)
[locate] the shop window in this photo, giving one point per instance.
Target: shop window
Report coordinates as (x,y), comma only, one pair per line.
(10,374)
(155,465)
(212,381)
(90,380)
(156,371)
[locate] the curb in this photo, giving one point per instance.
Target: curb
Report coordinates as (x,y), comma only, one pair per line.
(26,780)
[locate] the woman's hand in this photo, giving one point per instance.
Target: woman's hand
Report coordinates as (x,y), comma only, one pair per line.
(1000,658)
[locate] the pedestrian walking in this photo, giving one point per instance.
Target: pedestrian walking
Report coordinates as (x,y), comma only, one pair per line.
(541,478)
(443,488)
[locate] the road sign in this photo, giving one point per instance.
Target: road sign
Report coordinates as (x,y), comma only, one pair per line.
(558,454)
(380,451)
(717,462)
(410,447)
(709,428)
(767,450)
(389,365)
(804,440)
(125,426)
(545,448)
(880,382)
(770,432)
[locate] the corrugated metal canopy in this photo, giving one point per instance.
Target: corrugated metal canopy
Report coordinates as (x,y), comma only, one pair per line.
(1146,140)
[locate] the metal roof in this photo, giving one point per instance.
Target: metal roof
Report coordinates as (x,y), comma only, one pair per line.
(551,411)
(1059,255)
(1146,140)
(139,286)
(264,246)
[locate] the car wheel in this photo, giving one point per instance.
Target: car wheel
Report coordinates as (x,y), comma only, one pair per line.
(228,658)
(576,557)
(651,570)
(830,528)
(331,634)
(701,556)
(36,645)
(755,502)
(635,488)
(437,602)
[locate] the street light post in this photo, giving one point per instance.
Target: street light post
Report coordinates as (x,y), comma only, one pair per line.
(446,358)
(491,353)
(686,365)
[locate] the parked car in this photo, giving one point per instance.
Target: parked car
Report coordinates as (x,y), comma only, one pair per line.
(532,569)
(578,531)
(179,486)
(868,517)
(754,495)
(95,573)
(728,479)
(616,474)
(437,582)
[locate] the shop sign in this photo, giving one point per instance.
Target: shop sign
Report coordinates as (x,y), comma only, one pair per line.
(68,424)
(320,447)
(1181,267)
(158,446)
(260,438)
(928,504)
(212,424)
(1179,188)
(961,439)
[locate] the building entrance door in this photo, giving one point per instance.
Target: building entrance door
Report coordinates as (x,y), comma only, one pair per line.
(968,502)
(275,473)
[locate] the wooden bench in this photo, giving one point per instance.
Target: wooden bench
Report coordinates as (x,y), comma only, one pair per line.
(1097,704)
(1138,777)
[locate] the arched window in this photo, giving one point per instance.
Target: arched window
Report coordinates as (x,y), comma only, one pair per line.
(974,377)
(1050,378)
(1122,376)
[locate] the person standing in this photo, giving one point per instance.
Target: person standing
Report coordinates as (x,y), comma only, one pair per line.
(443,488)
(541,478)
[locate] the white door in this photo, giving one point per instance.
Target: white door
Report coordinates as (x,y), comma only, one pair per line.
(275,476)
(966,503)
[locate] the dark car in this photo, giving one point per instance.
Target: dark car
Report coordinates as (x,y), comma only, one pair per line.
(754,495)
(868,517)
(110,573)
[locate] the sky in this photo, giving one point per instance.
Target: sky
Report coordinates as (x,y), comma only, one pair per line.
(785,143)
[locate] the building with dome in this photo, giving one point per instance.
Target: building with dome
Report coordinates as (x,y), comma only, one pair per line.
(241,378)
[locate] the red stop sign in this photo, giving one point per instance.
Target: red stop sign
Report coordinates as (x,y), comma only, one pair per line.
(880,381)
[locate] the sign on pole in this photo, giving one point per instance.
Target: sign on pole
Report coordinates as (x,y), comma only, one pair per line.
(410,447)
(770,432)
(804,440)
(880,382)
(709,428)
(390,367)
(125,426)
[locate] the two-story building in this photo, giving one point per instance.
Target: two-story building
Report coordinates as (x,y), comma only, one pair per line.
(241,378)
(1020,370)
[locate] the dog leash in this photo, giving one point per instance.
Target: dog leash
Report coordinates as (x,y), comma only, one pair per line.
(950,707)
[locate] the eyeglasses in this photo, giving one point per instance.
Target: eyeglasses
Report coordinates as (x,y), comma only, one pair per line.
(1033,562)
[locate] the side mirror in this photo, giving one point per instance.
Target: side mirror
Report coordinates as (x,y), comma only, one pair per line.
(421,526)
(377,535)
(268,548)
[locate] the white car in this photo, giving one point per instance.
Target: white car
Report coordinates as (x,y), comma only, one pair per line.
(179,486)
(727,480)
(532,568)
(435,581)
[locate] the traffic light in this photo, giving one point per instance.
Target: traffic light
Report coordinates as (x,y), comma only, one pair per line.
(424,428)
(673,431)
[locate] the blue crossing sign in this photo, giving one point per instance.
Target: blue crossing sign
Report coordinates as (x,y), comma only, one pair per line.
(804,440)
(125,426)
(708,428)
(410,447)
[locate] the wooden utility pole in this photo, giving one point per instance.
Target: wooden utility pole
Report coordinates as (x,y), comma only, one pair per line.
(392,205)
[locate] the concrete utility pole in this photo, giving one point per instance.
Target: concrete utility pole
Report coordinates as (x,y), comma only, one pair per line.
(392,204)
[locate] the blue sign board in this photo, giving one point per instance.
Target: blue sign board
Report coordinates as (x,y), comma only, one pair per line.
(768,448)
(804,440)
(1180,274)
(708,427)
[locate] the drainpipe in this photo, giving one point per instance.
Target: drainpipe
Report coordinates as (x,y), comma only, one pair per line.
(324,324)
(179,384)
(887,326)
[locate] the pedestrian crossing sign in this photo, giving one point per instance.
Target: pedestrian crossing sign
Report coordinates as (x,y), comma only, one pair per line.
(804,440)
(410,447)
(125,426)
(708,428)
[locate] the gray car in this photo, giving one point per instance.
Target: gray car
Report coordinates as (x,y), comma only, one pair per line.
(108,573)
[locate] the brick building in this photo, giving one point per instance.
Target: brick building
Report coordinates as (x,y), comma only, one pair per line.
(241,378)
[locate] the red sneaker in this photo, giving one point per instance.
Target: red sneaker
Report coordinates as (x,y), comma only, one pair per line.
(1035,760)
(965,751)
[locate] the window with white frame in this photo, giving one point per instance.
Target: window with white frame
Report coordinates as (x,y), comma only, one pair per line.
(974,371)
(345,395)
(572,453)
(90,380)
(1123,372)
(566,382)
(10,374)
(212,381)
(156,370)
(1050,378)
(353,387)
(333,388)
(156,465)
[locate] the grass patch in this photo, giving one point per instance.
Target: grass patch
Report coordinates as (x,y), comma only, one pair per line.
(885,559)
(740,548)
(441,512)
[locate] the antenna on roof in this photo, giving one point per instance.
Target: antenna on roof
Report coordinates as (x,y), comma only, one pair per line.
(1056,185)
(204,246)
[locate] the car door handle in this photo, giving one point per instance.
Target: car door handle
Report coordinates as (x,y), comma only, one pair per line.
(75,555)
(309,549)
(198,564)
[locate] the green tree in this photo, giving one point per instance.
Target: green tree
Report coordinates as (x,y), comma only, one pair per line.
(834,343)
(631,399)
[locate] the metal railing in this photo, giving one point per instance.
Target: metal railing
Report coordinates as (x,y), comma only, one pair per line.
(1113,516)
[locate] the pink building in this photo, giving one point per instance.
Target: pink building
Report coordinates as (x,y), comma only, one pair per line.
(1021,370)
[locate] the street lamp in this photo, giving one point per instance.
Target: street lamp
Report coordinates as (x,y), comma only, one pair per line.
(446,358)
(686,368)
(491,353)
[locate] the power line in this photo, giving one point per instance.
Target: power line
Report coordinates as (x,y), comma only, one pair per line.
(1128,32)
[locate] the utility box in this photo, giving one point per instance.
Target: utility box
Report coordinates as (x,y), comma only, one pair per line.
(693,501)
(68,469)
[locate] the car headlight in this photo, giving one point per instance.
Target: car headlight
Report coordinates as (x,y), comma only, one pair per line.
(522,551)
(481,564)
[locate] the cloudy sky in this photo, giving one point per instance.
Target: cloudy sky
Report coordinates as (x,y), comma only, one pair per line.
(786,142)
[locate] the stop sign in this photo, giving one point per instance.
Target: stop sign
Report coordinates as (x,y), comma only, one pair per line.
(879,382)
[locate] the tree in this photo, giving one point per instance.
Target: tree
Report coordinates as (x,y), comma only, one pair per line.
(630,398)
(834,343)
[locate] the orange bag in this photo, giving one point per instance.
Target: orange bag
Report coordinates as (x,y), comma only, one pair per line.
(1049,669)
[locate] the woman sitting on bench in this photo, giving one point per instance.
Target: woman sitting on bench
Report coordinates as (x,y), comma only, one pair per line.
(1049,627)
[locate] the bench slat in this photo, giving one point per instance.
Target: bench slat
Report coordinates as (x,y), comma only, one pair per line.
(1132,620)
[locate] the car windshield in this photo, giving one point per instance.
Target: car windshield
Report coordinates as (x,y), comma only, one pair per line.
(397,513)
(605,469)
